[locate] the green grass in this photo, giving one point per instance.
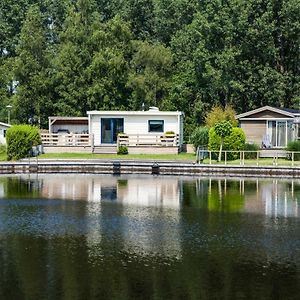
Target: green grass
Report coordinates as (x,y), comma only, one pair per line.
(181,156)
(3,155)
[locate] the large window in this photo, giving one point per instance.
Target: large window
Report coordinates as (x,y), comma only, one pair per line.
(155,126)
(280,133)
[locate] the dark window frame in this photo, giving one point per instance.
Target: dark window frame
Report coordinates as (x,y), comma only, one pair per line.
(162,124)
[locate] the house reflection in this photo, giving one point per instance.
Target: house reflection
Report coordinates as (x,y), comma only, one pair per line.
(142,191)
(143,231)
(271,197)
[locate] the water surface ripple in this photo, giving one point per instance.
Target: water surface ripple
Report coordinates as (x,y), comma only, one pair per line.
(144,237)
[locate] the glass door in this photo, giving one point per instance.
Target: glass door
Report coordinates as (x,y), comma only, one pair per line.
(110,127)
(281,134)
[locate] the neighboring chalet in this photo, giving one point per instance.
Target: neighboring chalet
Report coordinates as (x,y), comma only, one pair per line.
(270,127)
(151,131)
(68,125)
(3,128)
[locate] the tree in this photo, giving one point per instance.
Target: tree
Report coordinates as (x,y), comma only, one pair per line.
(222,129)
(30,69)
(151,66)
(218,114)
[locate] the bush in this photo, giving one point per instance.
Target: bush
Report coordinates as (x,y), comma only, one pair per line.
(251,147)
(234,142)
(20,139)
(199,137)
(294,146)
(122,150)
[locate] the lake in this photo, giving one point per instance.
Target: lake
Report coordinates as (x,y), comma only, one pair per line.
(148,237)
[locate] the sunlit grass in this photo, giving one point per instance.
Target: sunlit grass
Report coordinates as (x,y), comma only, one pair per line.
(181,156)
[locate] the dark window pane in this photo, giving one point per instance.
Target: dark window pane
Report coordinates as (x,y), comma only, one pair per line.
(156,126)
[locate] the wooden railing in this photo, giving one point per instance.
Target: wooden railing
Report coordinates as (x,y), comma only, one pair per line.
(51,139)
(140,140)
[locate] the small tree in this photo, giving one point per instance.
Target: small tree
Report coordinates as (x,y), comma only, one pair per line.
(223,129)
(200,137)
(218,114)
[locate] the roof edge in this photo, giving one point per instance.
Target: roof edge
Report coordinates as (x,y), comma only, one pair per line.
(267,107)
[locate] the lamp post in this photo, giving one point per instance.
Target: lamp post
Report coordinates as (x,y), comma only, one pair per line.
(8,113)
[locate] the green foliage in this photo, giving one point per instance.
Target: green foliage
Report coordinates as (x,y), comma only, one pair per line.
(218,114)
(122,150)
(251,147)
(234,142)
(30,66)
(3,153)
(200,137)
(223,129)
(294,146)
(62,57)
(20,139)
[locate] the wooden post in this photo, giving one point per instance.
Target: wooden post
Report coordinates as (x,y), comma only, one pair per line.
(209,157)
(257,157)
(292,159)
(225,157)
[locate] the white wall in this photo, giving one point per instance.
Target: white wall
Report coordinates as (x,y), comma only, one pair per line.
(2,138)
(134,125)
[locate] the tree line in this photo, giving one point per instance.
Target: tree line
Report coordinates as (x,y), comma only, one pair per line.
(64,57)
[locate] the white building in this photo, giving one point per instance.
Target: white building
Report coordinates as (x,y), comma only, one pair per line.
(106,125)
(3,128)
(151,131)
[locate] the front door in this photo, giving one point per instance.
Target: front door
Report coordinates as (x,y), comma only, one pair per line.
(110,127)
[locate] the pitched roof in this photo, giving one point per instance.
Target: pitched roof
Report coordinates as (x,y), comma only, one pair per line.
(283,111)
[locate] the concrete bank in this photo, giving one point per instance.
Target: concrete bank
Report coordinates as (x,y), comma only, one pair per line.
(142,167)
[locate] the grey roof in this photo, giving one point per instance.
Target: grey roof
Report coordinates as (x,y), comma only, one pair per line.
(290,110)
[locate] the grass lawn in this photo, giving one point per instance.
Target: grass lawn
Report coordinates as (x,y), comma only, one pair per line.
(181,156)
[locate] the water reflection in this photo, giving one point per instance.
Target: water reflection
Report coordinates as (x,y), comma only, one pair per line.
(144,237)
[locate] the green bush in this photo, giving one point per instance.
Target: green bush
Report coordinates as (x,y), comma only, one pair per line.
(199,137)
(234,142)
(20,139)
(294,146)
(122,150)
(251,147)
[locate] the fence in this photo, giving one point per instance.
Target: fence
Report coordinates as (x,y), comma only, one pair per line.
(136,140)
(50,139)
(242,158)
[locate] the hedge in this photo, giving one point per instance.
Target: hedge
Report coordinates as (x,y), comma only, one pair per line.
(20,139)
(234,142)
(294,146)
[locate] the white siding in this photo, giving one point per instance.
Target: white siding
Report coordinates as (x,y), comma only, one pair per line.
(2,138)
(134,124)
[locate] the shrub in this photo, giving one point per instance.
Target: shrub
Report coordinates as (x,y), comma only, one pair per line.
(20,139)
(199,137)
(251,147)
(122,150)
(294,146)
(234,142)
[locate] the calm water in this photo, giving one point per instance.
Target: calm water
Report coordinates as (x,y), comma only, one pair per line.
(138,237)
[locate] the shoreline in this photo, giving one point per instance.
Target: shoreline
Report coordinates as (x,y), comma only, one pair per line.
(135,166)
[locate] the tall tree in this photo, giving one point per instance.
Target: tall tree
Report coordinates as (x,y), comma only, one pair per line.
(149,79)
(30,68)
